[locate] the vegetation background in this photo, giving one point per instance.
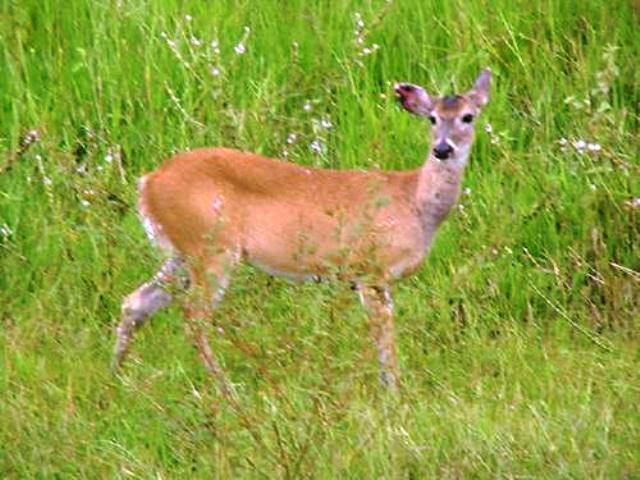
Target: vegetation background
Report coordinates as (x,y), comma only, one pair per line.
(519,338)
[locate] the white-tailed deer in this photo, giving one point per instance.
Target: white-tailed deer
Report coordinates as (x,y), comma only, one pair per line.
(212,208)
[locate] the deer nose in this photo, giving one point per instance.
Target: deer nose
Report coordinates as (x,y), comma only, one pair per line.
(442,151)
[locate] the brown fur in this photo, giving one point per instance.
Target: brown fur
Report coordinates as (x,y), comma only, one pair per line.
(268,209)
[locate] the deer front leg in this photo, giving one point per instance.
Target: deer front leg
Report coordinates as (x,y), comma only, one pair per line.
(378,304)
(142,303)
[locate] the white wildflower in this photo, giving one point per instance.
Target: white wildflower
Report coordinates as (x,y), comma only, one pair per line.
(215,71)
(188,18)
(317,146)
(31,137)
(5,230)
(488,128)
(563,142)
(634,202)
(171,43)
(291,138)
(240,48)
(326,123)
(247,30)
(109,156)
(579,145)
(366,51)
(163,35)
(307,106)
(46,181)
(84,203)
(195,41)
(466,191)
(594,147)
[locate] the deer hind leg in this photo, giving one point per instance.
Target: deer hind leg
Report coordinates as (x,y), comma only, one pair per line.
(144,302)
(209,285)
(378,304)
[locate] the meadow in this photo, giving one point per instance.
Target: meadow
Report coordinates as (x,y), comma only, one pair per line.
(518,338)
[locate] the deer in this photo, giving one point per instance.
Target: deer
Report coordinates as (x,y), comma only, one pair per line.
(211,209)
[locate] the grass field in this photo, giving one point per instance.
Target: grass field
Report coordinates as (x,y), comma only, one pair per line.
(518,338)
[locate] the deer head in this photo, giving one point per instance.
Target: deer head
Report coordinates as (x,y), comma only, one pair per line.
(452,117)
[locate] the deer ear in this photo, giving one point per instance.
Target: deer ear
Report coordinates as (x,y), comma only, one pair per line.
(414,99)
(479,94)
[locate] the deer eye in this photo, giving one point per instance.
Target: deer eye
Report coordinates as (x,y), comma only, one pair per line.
(468,118)
(432,119)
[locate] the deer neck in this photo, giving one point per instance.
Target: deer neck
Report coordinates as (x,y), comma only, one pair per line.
(438,190)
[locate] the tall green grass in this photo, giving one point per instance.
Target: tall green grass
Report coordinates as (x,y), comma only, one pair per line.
(518,339)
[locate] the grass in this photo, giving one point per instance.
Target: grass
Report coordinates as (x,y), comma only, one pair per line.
(518,338)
